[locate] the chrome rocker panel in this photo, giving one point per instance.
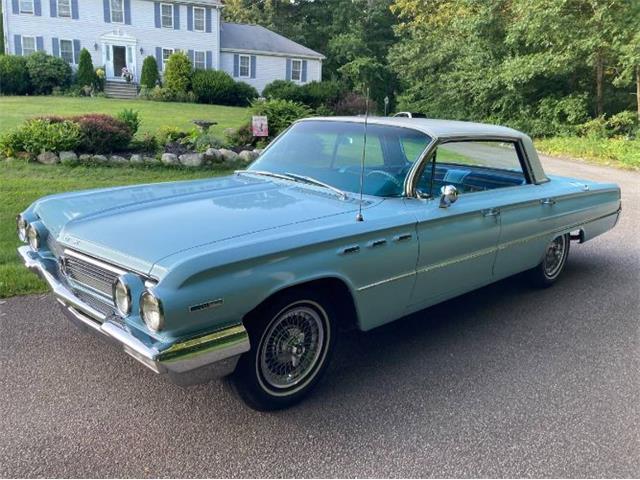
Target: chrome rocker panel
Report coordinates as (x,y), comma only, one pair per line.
(195,360)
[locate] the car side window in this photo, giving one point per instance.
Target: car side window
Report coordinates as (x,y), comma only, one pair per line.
(473,166)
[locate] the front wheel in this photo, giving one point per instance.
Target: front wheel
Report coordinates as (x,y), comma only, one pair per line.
(553,262)
(292,340)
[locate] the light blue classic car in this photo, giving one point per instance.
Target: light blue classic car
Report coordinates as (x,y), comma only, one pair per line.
(256,273)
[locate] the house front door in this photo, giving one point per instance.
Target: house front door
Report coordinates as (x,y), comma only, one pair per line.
(119,60)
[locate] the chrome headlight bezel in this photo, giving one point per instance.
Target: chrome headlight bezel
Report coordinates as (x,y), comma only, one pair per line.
(33,237)
(122,296)
(150,301)
(21,227)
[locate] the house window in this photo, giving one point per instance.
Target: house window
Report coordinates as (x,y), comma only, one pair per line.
(199,61)
(64,8)
(117,11)
(198,19)
(166,53)
(166,15)
(245,66)
(296,70)
(26,6)
(28,45)
(66,50)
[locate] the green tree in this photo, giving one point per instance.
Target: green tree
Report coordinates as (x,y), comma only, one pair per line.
(86,75)
(178,71)
(149,77)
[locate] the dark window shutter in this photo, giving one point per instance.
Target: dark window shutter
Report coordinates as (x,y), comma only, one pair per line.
(208,20)
(127,12)
(304,70)
(53,8)
(236,65)
(55,47)
(159,57)
(15,6)
(74,10)
(107,11)
(37,7)
(76,51)
(156,11)
(190,55)
(189,17)
(288,75)
(176,16)
(17,44)
(209,55)
(40,44)
(253,66)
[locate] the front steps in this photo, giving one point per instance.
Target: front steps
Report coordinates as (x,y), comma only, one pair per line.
(115,89)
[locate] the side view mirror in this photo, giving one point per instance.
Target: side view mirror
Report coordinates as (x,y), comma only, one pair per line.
(448,195)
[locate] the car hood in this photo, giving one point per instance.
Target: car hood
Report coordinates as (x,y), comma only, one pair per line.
(138,226)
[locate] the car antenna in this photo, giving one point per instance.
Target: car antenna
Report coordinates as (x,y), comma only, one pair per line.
(359,217)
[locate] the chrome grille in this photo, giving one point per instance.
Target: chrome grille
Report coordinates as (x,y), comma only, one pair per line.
(93,302)
(90,273)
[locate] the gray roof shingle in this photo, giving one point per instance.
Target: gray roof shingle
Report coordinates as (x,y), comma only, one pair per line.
(241,36)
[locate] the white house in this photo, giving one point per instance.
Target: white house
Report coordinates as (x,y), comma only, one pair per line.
(121,33)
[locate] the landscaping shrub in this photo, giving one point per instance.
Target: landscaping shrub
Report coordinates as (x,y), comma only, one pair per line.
(317,94)
(178,72)
(282,90)
(102,133)
(170,134)
(162,94)
(280,113)
(14,77)
(40,134)
(351,104)
(149,77)
(86,76)
(100,79)
(213,86)
(243,94)
(131,118)
(47,72)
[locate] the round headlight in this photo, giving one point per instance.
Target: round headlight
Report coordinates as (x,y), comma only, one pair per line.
(122,297)
(34,237)
(151,311)
(22,226)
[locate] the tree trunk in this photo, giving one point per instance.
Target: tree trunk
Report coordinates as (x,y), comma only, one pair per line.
(599,86)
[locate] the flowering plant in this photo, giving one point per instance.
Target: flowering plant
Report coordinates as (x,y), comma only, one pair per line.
(126,74)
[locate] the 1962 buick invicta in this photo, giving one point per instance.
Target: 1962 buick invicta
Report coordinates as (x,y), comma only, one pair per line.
(256,273)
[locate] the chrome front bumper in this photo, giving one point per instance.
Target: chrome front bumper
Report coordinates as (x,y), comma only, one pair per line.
(190,361)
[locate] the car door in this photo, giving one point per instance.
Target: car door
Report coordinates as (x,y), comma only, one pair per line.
(459,243)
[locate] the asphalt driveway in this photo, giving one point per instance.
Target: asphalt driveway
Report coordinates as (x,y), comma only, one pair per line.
(505,381)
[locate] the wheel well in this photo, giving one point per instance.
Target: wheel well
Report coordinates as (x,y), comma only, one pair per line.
(338,291)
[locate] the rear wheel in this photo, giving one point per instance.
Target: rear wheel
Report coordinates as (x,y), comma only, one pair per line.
(552,264)
(292,340)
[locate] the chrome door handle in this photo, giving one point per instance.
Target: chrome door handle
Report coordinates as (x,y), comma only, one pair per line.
(548,201)
(492,212)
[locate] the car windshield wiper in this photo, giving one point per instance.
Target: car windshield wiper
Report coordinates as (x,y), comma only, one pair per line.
(294,177)
(314,181)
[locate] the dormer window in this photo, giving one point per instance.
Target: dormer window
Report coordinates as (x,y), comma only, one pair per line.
(64,8)
(117,11)
(166,15)
(198,19)
(26,6)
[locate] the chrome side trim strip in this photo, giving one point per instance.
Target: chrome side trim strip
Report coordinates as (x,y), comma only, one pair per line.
(485,251)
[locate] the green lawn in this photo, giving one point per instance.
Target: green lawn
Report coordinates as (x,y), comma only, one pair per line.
(616,152)
(21,183)
(13,110)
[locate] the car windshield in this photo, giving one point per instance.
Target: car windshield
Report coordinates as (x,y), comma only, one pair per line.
(330,152)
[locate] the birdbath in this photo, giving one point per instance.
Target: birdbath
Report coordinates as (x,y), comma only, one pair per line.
(204,124)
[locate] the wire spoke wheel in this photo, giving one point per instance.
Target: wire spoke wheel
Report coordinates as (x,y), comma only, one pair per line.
(555,256)
(292,348)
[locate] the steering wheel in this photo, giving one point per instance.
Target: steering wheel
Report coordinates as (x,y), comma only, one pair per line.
(387,175)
